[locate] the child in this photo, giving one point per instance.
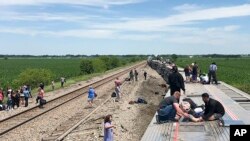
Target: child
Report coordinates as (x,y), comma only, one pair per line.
(108,128)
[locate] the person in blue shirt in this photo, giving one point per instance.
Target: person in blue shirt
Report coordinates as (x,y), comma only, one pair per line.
(91,96)
(26,96)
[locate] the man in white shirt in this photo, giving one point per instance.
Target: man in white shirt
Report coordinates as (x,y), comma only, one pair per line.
(212,73)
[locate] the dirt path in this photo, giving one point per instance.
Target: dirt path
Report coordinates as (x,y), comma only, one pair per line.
(131,121)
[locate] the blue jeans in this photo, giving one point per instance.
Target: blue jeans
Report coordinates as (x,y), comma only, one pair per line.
(167,113)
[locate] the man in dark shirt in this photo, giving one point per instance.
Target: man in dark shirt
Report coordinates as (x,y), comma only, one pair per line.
(176,81)
(169,108)
(194,72)
(213,108)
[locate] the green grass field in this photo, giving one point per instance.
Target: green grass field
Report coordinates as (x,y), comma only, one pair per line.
(234,71)
(11,68)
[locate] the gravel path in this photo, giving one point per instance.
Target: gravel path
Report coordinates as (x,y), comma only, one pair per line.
(131,121)
(45,124)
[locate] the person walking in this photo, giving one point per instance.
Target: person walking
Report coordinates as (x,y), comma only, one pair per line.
(108,128)
(145,75)
(136,75)
(176,81)
(91,96)
(212,73)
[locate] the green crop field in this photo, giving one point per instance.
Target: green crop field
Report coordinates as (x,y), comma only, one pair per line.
(234,71)
(11,68)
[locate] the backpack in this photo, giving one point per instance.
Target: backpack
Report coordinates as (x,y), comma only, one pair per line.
(140,100)
(43,101)
(113,94)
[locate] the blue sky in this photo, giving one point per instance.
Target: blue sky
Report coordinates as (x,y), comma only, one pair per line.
(58,27)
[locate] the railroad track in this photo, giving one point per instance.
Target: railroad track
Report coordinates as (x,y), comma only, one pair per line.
(13,122)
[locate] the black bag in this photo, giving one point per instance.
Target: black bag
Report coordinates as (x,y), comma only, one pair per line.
(95,95)
(43,101)
(113,94)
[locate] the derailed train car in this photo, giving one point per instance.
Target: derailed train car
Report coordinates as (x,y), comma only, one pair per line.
(162,68)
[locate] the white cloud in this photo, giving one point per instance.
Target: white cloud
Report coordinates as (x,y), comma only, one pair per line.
(179,19)
(14,16)
(187,7)
(79,33)
(99,3)
(231,27)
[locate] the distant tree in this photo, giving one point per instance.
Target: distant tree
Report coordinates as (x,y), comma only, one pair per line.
(5,58)
(34,77)
(86,66)
(99,65)
(174,57)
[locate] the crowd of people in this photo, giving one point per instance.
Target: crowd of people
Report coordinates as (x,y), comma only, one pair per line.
(191,74)
(19,97)
(171,110)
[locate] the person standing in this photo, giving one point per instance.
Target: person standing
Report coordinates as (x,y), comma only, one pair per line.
(136,75)
(40,97)
(131,75)
(16,99)
(53,85)
(26,97)
(194,72)
(9,101)
(91,96)
(63,80)
(117,82)
(212,73)
(187,73)
(145,75)
(29,89)
(108,128)
(176,81)
(1,96)
(118,93)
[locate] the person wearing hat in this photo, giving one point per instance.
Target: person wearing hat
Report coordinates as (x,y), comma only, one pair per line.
(176,81)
